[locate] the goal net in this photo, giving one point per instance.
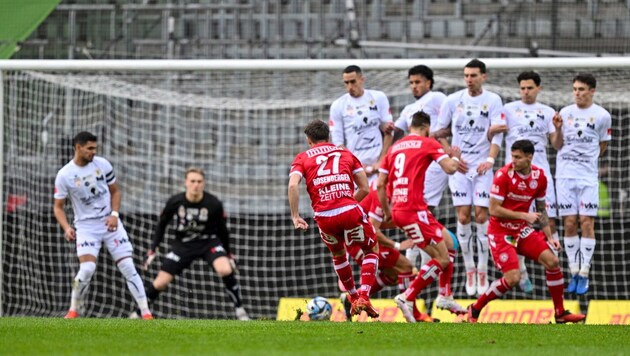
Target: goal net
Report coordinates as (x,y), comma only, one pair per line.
(243,127)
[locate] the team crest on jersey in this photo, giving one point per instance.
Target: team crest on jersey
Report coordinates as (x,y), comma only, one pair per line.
(460,107)
(535,174)
(533,184)
(77,181)
(203,214)
(181,212)
(350,110)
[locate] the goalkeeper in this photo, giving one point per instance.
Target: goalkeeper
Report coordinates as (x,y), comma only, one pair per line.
(200,232)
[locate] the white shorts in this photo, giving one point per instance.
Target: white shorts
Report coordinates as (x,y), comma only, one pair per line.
(91,234)
(471,189)
(550,198)
(435,181)
(577,197)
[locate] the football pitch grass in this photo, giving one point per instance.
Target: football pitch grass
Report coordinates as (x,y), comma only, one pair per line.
(55,336)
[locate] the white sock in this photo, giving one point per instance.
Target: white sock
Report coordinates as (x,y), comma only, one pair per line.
(522,267)
(556,238)
(80,283)
(587,247)
(134,283)
(412,255)
(424,257)
(482,247)
(464,234)
(572,249)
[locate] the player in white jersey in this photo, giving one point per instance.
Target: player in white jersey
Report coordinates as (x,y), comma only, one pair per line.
(586,130)
(90,183)
(361,121)
(470,113)
(536,122)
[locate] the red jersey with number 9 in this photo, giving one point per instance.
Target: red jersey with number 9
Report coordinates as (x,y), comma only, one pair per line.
(329,174)
(406,163)
(517,193)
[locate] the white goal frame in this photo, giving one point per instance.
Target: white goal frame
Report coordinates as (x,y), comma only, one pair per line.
(273,65)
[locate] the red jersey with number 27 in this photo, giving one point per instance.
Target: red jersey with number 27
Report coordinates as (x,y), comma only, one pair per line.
(406,163)
(517,193)
(329,174)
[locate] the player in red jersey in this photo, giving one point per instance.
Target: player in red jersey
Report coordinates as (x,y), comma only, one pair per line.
(404,169)
(514,188)
(331,173)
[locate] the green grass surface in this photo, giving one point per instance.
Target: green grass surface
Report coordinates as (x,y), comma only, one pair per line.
(49,336)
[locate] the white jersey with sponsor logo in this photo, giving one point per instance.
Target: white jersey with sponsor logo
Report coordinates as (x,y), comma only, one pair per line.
(430,103)
(582,131)
(470,117)
(355,123)
(87,187)
(532,122)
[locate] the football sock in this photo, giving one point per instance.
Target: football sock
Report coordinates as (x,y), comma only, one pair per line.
(464,234)
(425,277)
(587,247)
(482,247)
(344,272)
(522,267)
(496,290)
(412,255)
(134,283)
(404,281)
(81,283)
(555,284)
(368,272)
(557,238)
(572,249)
(446,276)
(151,292)
(233,289)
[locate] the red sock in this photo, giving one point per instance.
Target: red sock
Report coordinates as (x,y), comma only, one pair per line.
(368,272)
(495,291)
(344,272)
(555,284)
(378,283)
(425,277)
(447,275)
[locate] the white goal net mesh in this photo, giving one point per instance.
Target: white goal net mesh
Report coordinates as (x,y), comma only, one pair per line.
(244,128)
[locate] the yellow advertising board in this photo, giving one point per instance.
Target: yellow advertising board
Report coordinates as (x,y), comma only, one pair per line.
(389,312)
(509,311)
(615,312)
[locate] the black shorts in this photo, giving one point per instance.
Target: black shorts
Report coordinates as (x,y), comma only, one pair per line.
(182,255)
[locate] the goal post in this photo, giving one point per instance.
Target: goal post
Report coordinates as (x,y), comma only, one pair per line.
(242,122)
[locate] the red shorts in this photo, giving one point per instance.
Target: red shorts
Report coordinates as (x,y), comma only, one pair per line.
(350,228)
(387,256)
(420,226)
(506,246)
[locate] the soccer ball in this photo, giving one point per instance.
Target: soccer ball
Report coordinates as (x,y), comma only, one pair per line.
(319,308)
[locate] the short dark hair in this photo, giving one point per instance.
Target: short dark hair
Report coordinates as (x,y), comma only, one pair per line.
(523,145)
(529,75)
(475,63)
(419,119)
(586,78)
(317,131)
(83,137)
(423,71)
(353,68)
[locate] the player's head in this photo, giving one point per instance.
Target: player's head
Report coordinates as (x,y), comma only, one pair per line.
(353,80)
(420,80)
(522,155)
(84,144)
(195,180)
(420,123)
(316,132)
(474,76)
(529,86)
(584,85)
